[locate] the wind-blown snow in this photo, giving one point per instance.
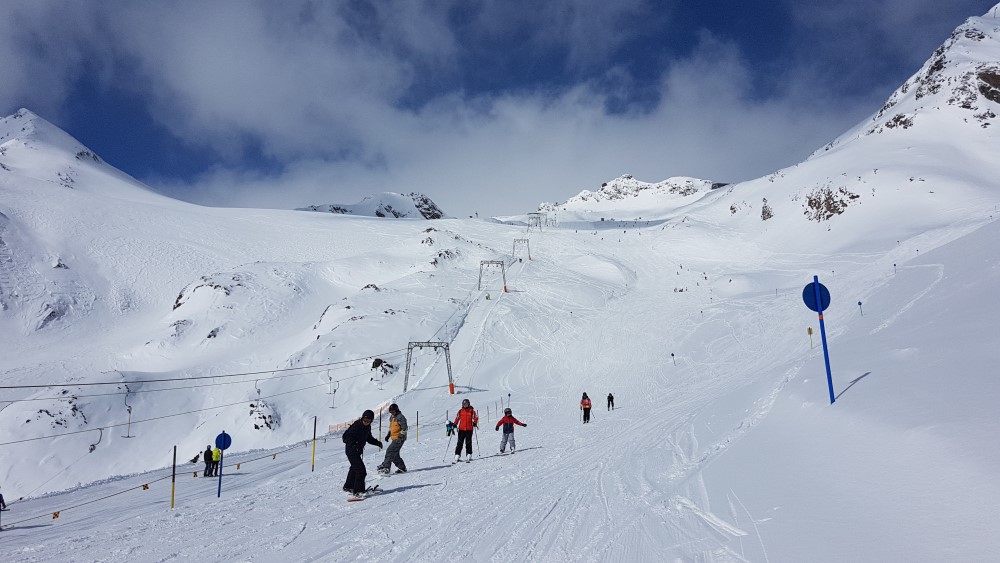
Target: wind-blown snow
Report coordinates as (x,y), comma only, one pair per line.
(723,446)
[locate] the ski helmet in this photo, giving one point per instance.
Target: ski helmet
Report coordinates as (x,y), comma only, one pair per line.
(394,408)
(466,403)
(507,411)
(368,415)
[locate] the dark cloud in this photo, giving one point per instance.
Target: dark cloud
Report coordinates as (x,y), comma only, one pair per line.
(491,106)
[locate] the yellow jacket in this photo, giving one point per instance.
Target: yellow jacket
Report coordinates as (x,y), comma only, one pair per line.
(216,454)
(397,427)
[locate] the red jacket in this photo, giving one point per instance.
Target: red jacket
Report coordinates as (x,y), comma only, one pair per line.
(585,404)
(508,422)
(466,418)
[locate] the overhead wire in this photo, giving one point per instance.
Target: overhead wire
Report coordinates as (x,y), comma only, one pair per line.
(73,396)
(196,378)
(108,427)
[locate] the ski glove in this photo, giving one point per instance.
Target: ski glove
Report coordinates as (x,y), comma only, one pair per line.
(380,445)
(387,436)
(497,429)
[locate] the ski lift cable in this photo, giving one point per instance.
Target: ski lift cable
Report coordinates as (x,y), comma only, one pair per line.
(199,386)
(200,377)
(108,427)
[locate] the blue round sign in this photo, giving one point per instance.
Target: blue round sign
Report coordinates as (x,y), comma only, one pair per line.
(809,296)
(223,441)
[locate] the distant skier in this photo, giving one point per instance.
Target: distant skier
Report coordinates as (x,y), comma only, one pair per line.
(3,504)
(585,407)
(611,402)
(216,459)
(196,457)
(208,461)
(355,438)
(397,433)
(467,420)
(508,421)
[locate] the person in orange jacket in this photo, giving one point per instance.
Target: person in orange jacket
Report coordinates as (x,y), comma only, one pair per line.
(467,421)
(508,422)
(585,406)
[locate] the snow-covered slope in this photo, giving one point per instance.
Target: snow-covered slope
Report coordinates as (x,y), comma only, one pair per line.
(412,206)
(723,448)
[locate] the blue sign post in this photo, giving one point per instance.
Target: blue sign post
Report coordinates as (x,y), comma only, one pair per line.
(223,441)
(817,297)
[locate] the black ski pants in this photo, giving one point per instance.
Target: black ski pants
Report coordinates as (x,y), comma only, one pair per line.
(357,474)
(586,415)
(464,436)
(208,467)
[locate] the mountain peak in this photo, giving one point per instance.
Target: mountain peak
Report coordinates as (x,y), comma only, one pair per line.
(387,204)
(29,129)
(960,82)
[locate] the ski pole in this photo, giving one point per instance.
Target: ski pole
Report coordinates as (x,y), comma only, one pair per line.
(475,430)
(446,450)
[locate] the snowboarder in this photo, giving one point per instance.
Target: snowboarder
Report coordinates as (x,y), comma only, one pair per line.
(397,433)
(355,438)
(611,402)
(508,421)
(585,407)
(208,461)
(467,420)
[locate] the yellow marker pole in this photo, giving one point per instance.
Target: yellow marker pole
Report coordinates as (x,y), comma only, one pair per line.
(315,418)
(173,480)
(810,331)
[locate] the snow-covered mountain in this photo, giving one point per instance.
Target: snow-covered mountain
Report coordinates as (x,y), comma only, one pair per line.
(625,196)
(388,204)
(127,314)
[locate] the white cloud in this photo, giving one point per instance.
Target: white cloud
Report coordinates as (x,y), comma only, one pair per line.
(318,87)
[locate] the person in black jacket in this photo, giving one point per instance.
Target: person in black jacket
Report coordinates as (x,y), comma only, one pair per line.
(355,438)
(208,461)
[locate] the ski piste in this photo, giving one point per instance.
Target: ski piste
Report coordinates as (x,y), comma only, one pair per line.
(373,490)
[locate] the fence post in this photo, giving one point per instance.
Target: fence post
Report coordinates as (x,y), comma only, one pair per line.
(418,426)
(173,479)
(315,420)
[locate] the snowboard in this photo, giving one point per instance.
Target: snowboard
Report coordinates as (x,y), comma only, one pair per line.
(368,492)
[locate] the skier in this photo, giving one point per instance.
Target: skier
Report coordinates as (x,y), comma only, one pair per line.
(397,433)
(467,421)
(208,461)
(611,402)
(508,421)
(216,458)
(585,406)
(449,428)
(3,505)
(355,438)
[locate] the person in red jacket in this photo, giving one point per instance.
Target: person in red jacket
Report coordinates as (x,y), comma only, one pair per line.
(585,407)
(467,421)
(508,422)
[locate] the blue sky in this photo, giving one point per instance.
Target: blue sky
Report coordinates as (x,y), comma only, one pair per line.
(488,107)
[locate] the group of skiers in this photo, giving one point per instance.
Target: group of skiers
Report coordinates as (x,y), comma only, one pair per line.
(212,458)
(466,422)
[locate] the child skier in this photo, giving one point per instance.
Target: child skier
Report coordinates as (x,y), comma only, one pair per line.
(508,421)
